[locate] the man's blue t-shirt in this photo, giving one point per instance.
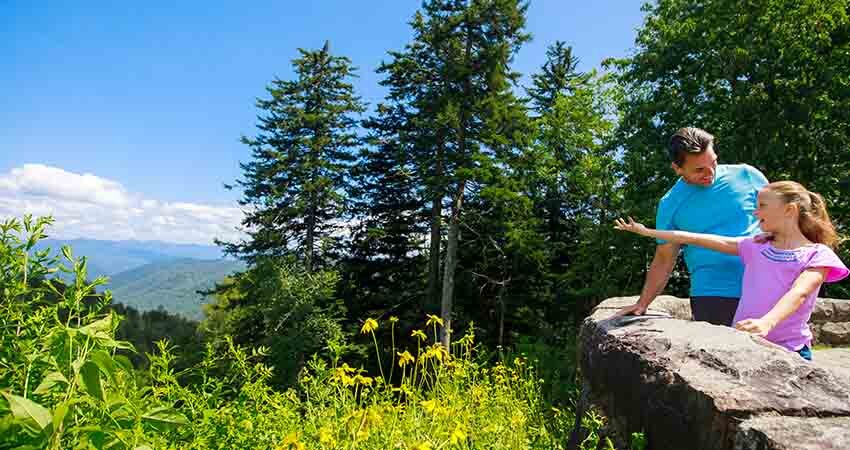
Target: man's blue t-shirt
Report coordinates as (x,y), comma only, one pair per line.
(726,208)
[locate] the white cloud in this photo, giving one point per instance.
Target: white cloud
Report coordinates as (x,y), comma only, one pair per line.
(39,180)
(88,206)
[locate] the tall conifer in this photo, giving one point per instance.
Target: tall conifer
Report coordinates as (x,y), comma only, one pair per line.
(295,187)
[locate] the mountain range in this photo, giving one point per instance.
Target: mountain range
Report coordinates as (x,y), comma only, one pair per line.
(150,275)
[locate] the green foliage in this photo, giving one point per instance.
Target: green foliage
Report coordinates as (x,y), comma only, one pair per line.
(144,329)
(555,359)
(280,305)
(440,402)
(64,386)
(297,181)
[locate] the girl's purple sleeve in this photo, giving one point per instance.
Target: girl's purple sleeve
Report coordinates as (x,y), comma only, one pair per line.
(825,257)
(746,248)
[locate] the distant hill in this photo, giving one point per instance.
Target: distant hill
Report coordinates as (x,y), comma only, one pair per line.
(171,284)
(148,275)
(112,257)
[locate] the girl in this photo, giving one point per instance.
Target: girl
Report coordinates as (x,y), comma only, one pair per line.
(782,276)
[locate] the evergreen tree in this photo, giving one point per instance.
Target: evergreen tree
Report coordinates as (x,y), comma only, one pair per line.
(573,178)
(295,188)
(385,261)
(419,90)
(558,76)
(476,41)
(549,188)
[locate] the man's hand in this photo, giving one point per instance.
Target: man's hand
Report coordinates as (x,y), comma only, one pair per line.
(758,327)
(633,310)
(631,226)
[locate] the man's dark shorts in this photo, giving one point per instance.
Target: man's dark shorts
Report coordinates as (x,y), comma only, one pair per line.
(714,310)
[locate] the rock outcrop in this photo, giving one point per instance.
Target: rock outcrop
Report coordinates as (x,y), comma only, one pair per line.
(692,385)
(830,322)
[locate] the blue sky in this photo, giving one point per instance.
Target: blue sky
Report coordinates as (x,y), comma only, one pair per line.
(147,100)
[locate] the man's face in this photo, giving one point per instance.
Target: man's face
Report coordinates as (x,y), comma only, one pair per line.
(699,168)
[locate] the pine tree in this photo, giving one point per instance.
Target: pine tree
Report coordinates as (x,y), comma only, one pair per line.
(572,180)
(386,258)
(558,76)
(295,187)
(417,81)
(475,40)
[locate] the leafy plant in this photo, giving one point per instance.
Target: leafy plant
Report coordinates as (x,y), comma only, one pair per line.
(61,381)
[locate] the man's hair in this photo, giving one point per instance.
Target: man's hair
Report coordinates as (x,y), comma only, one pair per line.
(688,140)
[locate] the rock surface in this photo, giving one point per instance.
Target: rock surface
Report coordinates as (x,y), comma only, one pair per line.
(793,433)
(831,310)
(835,333)
(692,385)
(830,322)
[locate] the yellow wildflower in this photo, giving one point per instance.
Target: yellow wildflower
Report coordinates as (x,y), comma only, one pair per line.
(422,446)
(436,351)
(430,405)
(326,437)
(432,319)
(365,381)
(404,358)
(370,326)
(393,319)
(346,368)
(419,334)
(290,442)
(341,374)
(458,435)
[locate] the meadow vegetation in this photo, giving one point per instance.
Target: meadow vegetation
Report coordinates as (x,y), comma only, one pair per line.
(66,381)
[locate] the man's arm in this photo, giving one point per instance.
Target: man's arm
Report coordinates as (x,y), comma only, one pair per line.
(656,278)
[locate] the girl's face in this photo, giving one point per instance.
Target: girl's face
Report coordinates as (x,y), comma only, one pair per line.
(772,212)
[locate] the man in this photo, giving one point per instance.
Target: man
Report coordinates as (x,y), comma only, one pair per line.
(707,198)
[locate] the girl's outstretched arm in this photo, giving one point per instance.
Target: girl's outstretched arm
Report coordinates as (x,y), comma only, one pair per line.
(714,242)
(806,283)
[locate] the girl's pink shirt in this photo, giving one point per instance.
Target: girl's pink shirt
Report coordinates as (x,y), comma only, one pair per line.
(769,273)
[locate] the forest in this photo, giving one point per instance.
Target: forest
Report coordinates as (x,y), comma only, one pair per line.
(417,270)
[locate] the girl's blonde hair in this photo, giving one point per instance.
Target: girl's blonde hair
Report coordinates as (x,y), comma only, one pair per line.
(813,218)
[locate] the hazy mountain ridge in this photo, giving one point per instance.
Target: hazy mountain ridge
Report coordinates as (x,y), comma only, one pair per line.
(147,275)
(171,285)
(112,257)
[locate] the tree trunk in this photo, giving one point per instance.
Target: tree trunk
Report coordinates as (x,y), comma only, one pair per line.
(311,230)
(436,234)
(501,297)
(312,210)
(457,202)
(434,263)
(450,265)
